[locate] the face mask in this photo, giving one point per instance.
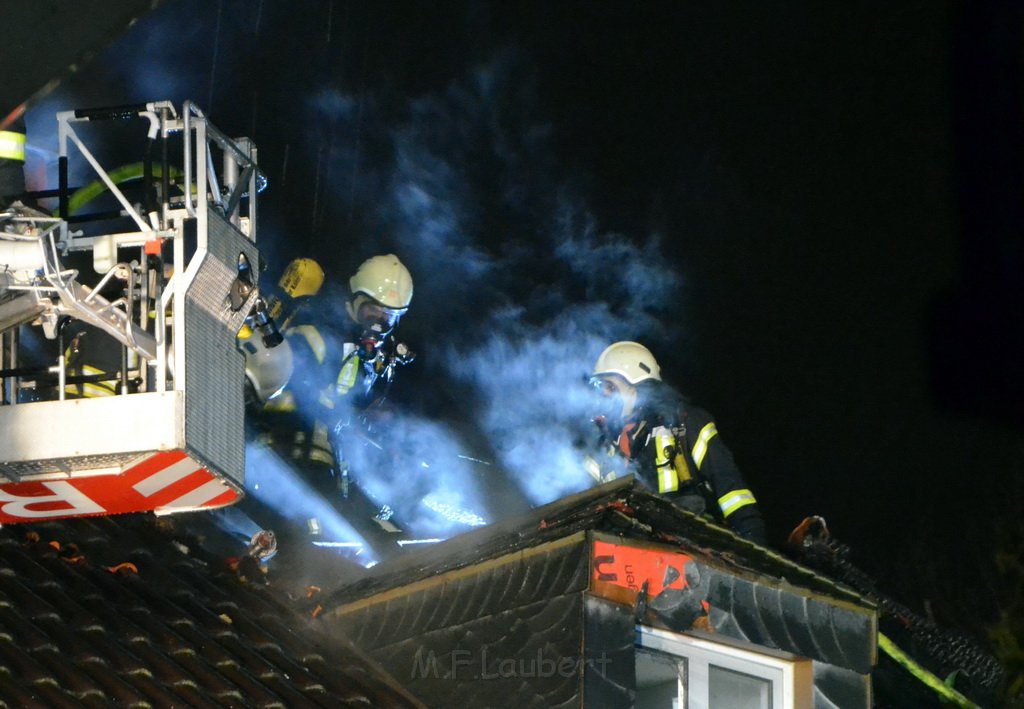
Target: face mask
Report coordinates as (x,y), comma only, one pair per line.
(373,316)
(609,402)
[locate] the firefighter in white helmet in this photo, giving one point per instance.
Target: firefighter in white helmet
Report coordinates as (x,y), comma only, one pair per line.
(381,291)
(672,446)
(340,369)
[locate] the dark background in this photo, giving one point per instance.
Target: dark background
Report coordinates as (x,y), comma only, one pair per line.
(835,191)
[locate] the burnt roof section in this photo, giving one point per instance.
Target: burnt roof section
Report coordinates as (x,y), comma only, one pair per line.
(136,611)
(620,507)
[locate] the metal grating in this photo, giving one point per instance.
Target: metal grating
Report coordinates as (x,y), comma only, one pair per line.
(215,374)
(19,470)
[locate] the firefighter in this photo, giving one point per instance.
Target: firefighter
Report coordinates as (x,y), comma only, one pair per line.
(12,161)
(672,446)
(90,381)
(334,374)
(269,368)
(333,363)
(338,373)
(300,282)
(381,291)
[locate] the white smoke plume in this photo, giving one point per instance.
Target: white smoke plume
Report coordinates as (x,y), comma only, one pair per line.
(538,300)
(518,287)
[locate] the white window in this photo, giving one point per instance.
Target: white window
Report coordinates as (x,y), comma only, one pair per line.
(701,671)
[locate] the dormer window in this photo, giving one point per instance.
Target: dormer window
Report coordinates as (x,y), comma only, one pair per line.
(700,671)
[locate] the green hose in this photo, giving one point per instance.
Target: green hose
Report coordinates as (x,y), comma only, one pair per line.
(946,692)
(118,175)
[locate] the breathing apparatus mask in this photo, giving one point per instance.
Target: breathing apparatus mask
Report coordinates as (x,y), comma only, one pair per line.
(381,292)
(612,404)
(377,348)
(376,320)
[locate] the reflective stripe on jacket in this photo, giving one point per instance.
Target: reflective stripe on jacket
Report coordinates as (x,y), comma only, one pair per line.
(660,409)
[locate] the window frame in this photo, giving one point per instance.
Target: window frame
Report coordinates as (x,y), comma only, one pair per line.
(790,676)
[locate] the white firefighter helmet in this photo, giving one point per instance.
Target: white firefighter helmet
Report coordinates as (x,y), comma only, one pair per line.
(268,369)
(385,279)
(630,360)
(302,277)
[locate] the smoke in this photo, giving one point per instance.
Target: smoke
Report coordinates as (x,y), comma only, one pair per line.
(517,290)
(417,469)
(277,485)
(517,286)
(502,245)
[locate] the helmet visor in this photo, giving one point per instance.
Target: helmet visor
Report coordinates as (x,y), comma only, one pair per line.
(374,316)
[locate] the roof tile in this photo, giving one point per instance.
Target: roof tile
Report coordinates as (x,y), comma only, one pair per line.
(105,677)
(21,665)
(174,626)
(15,694)
(256,694)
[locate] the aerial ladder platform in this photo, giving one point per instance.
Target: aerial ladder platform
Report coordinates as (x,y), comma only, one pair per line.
(164,279)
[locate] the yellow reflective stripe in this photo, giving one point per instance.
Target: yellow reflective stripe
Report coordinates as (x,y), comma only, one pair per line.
(321,450)
(734,500)
(315,340)
(95,390)
(347,376)
(320,437)
(312,455)
(12,145)
(91,390)
(320,456)
(315,446)
(700,448)
(668,481)
(282,403)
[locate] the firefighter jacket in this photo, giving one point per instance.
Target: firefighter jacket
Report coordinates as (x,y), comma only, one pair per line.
(675,450)
(297,423)
(333,382)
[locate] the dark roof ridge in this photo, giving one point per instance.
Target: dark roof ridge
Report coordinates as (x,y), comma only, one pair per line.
(620,507)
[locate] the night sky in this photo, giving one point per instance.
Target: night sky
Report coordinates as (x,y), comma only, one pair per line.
(812,214)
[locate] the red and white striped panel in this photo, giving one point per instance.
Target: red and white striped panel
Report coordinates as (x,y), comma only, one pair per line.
(164,483)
